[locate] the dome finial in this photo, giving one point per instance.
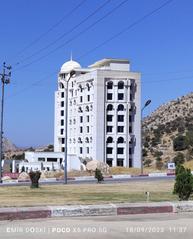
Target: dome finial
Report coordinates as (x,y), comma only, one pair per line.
(71,56)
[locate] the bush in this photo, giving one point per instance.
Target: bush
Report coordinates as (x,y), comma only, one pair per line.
(98,175)
(159,163)
(34,177)
(184,183)
(180,143)
(179,159)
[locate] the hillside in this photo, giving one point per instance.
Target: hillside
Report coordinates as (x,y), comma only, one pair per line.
(168,133)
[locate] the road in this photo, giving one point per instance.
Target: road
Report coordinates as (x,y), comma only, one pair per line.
(151,226)
(93,181)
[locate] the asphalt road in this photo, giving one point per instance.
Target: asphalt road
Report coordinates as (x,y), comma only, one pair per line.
(152,226)
(93,181)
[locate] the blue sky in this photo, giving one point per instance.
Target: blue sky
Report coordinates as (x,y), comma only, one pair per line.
(160,47)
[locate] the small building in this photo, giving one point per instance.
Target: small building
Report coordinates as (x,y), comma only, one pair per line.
(47,161)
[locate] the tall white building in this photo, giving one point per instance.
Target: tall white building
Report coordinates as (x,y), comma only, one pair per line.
(104,113)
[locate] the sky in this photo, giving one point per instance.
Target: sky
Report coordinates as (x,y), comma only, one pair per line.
(38,36)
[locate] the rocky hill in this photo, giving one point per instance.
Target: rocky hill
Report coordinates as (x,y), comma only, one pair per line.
(168,133)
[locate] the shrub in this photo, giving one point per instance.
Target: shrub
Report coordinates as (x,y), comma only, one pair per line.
(98,175)
(34,177)
(184,183)
(180,143)
(179,159)
(159,163)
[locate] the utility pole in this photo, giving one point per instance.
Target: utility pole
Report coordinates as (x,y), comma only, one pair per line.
(5,79)
(146,104)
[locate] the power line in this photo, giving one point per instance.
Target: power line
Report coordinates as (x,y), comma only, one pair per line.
(74,37)
(67,32)
(127,28)
(51,28)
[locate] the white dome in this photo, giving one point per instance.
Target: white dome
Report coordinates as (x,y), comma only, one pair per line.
(69,66)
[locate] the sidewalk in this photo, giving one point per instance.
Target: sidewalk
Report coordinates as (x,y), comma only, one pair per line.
(19,213)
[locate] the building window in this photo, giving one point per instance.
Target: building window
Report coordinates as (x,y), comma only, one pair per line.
(120,107)
(88,97)
(80,109)
(130,129)
(62,131)
(41,159)
(120,140)
(62,103)
(62,112)
(81,119)
(63,149)
(130,118)
(61,85)
(110,85)
(80,150)
(62,95)
(63,140)
(87,127)
(62,122)
(109,140)
(81,98)
(109,118)
(120,129)
(87,108)
(81,129)
(120,162)
(109,107)
(109,96)
(120,96)
(120,85)
(109,150)
(52,160)
(88,87)
(88,118)
(81,88)
(87,150)
(109,128)
(120,118)
(120,150)
(109,161)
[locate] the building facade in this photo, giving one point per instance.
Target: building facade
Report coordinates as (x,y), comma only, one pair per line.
(104,113)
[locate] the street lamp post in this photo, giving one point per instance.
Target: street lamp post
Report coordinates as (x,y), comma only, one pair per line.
(66,128)
(146,104)
(5,79)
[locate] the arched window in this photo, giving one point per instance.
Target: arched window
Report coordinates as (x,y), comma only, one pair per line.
(79,109)
(87,108)
(120,85)
(87,140)
(80,88)
(109,107)
(120,140)
(109,140)
(120,107)
(110,85)
(79,140)
(88,86)
(61,85)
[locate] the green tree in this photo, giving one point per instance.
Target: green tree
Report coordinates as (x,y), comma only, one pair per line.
(34,177)
(184,183)
(98,175)
(179,158)
(159,163)
(180,143)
